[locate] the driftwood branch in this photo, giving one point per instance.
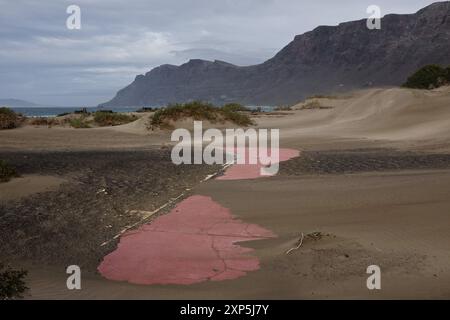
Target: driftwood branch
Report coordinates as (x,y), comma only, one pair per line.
(300,242)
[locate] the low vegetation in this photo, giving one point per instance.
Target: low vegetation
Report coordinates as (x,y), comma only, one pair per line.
(322,96)
(314,104)
(429,77)
(235,107)
(145,109)
(12,283)
(283,108)
(7,172)
(109,118)
(200,111)
(102,118)
(79,123)
(83,111)
(9,119)
(46,121)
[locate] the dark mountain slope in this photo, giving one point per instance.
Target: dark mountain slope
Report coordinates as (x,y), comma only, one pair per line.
(325,60)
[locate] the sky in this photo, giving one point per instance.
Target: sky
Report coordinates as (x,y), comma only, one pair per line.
(43,61)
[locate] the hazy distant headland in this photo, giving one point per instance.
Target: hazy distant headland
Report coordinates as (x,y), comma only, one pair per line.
(17,103)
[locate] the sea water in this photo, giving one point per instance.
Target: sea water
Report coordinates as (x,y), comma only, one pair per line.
(54,111)
(43,111)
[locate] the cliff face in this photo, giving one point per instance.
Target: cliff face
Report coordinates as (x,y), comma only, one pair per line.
(325,60)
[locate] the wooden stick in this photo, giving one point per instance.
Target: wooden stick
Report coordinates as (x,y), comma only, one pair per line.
(298,246)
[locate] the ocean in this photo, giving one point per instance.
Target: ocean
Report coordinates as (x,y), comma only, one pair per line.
(54,111)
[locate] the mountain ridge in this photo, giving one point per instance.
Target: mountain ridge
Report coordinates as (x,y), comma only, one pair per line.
(10,102)
(327,59)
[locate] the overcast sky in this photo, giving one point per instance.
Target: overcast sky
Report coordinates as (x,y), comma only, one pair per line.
(44,62)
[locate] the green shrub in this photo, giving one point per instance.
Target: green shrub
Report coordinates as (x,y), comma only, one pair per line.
(428,77)
(83,111)
(79,123)
(200,111)
(322,96)
(234,107)
(236,117)
(9,119)
(197,110)
(145,109)
(312,105)
(6,171)
(12,283)
(109,118)
(46,121)
(283,108)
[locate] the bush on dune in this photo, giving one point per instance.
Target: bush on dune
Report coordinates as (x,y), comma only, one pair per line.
(234,107)
(283,108)
(9,119)
(145,109)
(196,110)
(12,284)
(6,171)
(79,123)
(200,111)
(102,118)
(109,118)
(82,111)
(429,77)
(46,121)
(237,118)
(314,104)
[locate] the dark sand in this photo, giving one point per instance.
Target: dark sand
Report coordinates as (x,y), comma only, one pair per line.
(91,206)
(360,219)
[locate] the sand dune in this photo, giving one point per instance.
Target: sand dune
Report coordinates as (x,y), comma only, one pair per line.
(369,205)
(376,114)
(382,114)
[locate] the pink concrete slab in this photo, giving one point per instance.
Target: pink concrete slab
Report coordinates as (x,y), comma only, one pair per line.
(197,241)
(250,170)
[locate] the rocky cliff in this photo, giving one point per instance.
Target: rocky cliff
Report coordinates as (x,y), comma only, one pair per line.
(325,60)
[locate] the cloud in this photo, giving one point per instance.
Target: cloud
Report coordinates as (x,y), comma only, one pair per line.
(140,47)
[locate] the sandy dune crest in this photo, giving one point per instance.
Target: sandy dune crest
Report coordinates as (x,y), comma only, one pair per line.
(379,114)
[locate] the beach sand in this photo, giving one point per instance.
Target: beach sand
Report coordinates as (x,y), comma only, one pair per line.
(371,187)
